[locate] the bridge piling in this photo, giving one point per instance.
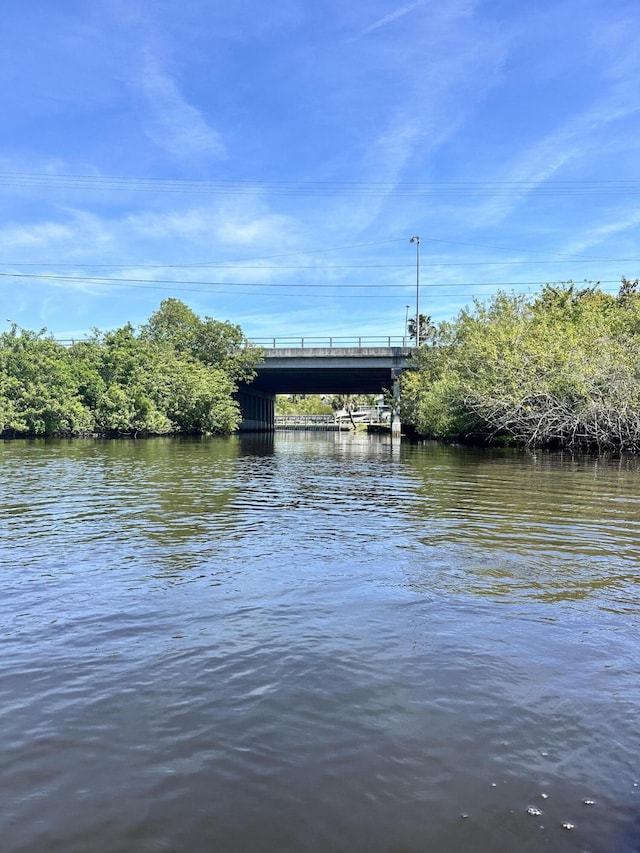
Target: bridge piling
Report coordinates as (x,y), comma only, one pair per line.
(396,426)
(258,410)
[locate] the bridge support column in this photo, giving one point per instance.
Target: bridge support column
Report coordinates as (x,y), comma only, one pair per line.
(258,410)
(396,426)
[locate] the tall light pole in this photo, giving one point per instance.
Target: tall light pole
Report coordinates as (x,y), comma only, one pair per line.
(406,324)
(416,240)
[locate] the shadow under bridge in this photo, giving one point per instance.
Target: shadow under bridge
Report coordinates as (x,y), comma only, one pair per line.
(368,366)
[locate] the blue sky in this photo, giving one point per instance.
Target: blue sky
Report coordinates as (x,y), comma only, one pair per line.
(268,163)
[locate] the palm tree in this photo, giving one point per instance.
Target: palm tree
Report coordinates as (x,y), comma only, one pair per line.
(427,328)
(348,402)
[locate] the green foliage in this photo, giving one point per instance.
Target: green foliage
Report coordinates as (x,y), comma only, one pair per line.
(427,329)
(198,398)
(178,374)
(38,394)
(560,369)
(209,341)
(321,404)
(303,404)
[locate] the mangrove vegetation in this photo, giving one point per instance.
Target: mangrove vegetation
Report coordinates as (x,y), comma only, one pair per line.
(177,373)
(560,368)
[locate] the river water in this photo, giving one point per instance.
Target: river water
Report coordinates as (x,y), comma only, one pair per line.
(317,642)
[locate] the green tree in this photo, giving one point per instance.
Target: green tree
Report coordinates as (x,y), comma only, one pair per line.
(559,369)
(152,386)
(177,374)
(303,404)
(427,329)
(38,393)
(214,343)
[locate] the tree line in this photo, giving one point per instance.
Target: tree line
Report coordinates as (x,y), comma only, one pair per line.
(560,368)
(177,373)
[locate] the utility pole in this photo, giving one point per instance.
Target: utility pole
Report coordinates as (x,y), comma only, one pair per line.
(416,240)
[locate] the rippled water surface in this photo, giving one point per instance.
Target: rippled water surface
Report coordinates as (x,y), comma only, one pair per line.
(315,643)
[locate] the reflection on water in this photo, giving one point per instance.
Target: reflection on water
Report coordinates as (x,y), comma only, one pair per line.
(546,527)
(315,642)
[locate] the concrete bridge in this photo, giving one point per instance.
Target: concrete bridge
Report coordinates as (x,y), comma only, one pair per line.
(321,366)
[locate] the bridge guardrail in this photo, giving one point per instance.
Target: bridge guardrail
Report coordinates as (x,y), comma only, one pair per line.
(303,420)
(308,342)
(359,342)
(334,342)
(362,415)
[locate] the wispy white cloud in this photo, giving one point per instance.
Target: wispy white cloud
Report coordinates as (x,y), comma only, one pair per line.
(392,16)
(225,225)
(173,123)
(261,230)
(590,134)
(35,235)
(190,234)
(444,92)
(601,233)
(75,234)
(424,91)
(570,145)
(191,224)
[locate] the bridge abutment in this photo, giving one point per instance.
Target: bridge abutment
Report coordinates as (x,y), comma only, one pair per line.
(258,410)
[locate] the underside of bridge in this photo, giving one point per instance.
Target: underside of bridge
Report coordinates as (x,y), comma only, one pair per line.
(354,380)
(318,371)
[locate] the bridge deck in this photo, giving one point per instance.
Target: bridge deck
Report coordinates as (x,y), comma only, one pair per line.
(337,370)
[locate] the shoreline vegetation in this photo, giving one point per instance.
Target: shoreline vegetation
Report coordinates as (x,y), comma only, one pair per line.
(558,369)
(176,374)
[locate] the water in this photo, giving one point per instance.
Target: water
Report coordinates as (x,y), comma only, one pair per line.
(317,642)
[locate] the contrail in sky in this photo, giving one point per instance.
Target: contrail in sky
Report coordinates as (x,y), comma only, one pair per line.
(392,16)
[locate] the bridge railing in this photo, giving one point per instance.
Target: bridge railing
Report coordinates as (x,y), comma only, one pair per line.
(362,415)
(334,342)
(304,420)
(309,342)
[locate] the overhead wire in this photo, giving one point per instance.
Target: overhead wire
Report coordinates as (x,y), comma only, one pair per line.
(191,286)
(385,285)
(180,284)
(231,265)
(245,186)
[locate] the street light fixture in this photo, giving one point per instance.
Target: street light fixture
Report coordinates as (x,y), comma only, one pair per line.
(416,240)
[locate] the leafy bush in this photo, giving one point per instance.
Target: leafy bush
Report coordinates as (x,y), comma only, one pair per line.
(559,369)
(177,374)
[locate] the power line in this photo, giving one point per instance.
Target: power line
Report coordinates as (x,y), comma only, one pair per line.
(451,297)
(224,186)
(383,285)
(230,265)
(179,284)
